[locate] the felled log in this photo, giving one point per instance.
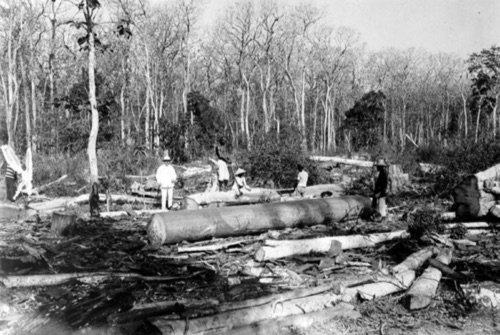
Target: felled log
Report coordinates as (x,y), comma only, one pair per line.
(9,211)
(116,214)
(469,225)
(402,277)
(256,195)
(424,287)
(193,225)
(210,247)
(341,160)
(86,277)
(304,321)
(274,249)
(43,187)
(238,317)
(63,223)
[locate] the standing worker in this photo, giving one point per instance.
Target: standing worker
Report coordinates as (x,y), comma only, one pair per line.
(300,188)
(166,177)
(382,184)
(11,182)
(222,170)
(240,183)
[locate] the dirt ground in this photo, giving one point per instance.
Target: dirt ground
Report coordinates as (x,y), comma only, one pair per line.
(121,246)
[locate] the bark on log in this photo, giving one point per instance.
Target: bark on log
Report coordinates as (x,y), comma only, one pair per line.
(228,320)
(304,321)
(87,277)
(275,249)
(424,288)
(341,160)
(200,224)
(403,276)
(256,195)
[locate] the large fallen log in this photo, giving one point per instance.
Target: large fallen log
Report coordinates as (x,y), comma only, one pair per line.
(205,223)
(274,249)
(424,288)
(256,195)
(341,160)
(402,277)
(233,319)
(316,191)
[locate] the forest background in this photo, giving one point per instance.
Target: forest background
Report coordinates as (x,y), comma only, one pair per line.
(270,82)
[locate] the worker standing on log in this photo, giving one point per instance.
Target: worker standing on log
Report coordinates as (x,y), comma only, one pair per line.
(240,183)
(302,177)
(382,184)
(222,170)
(166,177)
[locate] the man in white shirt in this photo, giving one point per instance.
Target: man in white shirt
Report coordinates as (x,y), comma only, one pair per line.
(166,177)
(302,177)
(240,183)
(222,170)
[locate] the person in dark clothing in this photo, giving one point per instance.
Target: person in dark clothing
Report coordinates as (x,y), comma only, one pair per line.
(382,184)
(11,183)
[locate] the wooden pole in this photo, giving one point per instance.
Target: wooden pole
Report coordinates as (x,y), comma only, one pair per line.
(275,249)
(205,223)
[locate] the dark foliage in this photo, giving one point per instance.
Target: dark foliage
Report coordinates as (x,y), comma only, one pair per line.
(364,121)
(276,159)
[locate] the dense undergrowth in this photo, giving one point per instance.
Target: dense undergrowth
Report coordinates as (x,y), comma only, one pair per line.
(270,159)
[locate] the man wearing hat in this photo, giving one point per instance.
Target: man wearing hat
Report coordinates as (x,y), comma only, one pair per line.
(240,183)
(381,187)
(166,177)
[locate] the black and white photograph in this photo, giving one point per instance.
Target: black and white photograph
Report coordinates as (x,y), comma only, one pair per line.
(249,167)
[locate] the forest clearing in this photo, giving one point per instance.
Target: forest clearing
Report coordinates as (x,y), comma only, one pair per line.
(249,167)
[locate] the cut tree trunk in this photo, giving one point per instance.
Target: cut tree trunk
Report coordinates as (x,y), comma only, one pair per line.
(424,288)
(205,223)
(256,195)
(63,223)
(131,213)
(403,276)
(341,160)
(227,320)
(275,249)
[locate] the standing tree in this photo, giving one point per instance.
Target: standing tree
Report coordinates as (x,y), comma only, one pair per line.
(484,68)
(88,42)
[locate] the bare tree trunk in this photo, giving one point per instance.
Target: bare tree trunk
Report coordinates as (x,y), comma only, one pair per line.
(303,110)
(148,100)
(464,104)
(91,149)
(478,119)
(26,105)
(494,114)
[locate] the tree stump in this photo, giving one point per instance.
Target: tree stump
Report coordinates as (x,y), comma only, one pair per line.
(63,223)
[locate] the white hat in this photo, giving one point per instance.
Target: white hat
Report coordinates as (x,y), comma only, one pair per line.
(239,171)
(381,162)
(166,157)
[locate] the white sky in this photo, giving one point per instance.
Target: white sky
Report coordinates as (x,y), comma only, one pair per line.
(454,26)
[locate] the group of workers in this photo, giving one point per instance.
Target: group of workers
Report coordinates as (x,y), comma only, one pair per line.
(166,178)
